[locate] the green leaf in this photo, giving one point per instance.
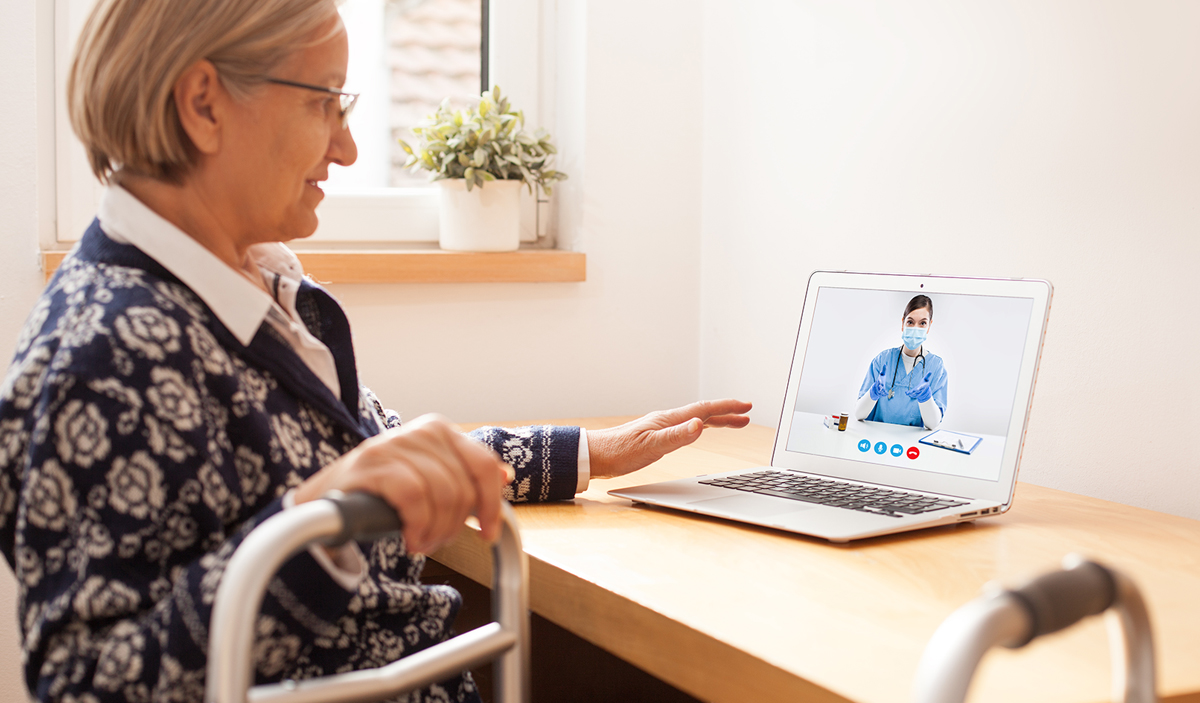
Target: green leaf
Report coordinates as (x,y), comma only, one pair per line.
(486,140)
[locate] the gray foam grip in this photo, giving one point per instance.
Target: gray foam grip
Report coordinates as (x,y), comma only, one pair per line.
(364,517)
(1062,598)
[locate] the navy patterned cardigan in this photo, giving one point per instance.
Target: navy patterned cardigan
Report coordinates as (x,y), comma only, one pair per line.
(140,442)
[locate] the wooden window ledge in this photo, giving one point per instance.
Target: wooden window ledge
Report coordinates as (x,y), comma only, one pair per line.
(427,266)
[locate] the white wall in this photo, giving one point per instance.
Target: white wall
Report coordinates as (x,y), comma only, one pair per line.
(20,279)
(1057,140)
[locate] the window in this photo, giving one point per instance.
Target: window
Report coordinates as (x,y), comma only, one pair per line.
(406,55)
(78,192)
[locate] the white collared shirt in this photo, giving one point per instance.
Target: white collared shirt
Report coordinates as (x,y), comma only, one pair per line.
(232,295)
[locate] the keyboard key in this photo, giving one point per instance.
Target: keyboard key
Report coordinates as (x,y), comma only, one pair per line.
(788,495)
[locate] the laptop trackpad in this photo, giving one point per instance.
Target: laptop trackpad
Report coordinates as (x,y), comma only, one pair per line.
(751,505)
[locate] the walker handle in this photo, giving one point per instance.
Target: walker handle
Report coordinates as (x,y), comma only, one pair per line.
(365,516)
(1060,599)
(331,521)
(1013,618)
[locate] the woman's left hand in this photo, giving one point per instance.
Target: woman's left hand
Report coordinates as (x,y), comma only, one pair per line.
(619,450)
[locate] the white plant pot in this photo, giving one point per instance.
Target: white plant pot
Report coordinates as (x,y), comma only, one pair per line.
(485,218)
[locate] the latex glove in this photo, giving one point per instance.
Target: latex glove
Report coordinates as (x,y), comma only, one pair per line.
(922,392)
(430,472)
(878,389)
(619,450)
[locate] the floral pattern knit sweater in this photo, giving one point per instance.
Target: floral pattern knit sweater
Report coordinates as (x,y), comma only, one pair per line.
(140,441)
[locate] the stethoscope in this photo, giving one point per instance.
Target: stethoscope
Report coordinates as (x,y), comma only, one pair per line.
(920,356)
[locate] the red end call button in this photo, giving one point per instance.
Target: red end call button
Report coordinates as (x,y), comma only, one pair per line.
(913,452)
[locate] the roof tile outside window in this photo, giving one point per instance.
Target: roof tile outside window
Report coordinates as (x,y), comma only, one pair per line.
(432,54)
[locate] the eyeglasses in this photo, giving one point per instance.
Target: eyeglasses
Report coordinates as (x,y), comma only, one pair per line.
(347,100)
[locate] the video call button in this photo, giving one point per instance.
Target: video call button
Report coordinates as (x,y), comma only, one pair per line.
(881,447)
(864,445)
(897,450)
(913,452)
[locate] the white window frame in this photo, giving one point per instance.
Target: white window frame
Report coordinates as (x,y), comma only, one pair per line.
(77,190)
(520,60)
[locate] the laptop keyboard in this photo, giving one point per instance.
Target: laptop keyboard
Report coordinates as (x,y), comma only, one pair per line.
(810,489)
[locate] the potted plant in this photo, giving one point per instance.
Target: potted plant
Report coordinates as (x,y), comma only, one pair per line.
(480,157)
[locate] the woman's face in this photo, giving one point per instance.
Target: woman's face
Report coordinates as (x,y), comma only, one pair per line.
(919,318)
(283,139)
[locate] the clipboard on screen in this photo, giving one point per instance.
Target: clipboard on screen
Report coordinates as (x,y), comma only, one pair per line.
(954,441)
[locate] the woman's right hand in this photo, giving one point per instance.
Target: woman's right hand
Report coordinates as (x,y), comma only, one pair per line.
(430,472)
(878,389)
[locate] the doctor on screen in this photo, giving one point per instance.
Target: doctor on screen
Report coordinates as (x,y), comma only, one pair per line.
(905,385)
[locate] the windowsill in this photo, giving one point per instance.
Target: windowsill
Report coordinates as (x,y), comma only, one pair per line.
(426,266)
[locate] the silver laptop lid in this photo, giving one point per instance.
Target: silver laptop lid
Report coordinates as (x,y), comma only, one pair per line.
(976,364)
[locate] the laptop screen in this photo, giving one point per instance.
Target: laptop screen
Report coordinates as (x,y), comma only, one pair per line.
(926,382)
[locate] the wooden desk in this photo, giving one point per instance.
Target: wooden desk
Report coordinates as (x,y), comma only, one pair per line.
(737,613)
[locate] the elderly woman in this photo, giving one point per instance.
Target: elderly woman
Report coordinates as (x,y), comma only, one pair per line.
(179,381)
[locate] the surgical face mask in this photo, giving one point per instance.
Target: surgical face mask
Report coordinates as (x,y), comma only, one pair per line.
(913,337)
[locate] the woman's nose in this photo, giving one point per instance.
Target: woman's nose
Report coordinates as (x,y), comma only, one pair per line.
(342,149)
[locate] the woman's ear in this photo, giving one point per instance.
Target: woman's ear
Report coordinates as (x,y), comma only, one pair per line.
(198,94)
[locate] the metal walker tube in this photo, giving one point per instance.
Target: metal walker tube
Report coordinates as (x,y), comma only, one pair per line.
(332,521)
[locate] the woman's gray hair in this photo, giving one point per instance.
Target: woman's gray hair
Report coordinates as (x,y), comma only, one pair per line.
(131,53)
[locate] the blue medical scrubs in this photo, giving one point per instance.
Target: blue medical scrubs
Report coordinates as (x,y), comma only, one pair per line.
(900,409)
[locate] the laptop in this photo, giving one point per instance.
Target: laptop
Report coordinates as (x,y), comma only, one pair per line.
(906,407)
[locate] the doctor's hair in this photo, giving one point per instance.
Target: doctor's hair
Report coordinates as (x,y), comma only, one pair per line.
(120,89)
(918,302)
